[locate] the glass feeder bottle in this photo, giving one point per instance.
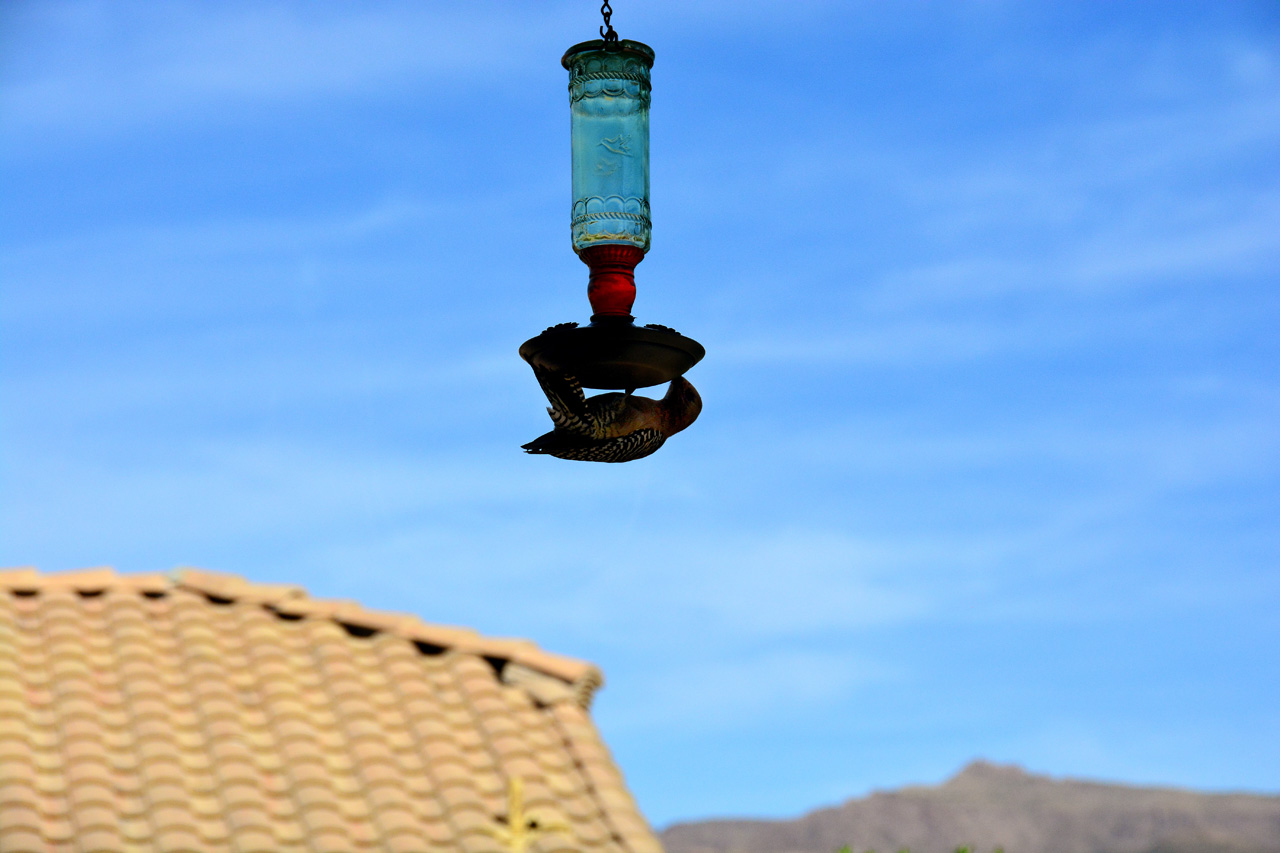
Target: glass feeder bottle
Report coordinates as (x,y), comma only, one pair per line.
(609,93)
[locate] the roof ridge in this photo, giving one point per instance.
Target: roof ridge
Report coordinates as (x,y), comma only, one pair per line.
(291,600)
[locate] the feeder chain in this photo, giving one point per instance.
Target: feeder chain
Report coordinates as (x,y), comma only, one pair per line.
(610,37)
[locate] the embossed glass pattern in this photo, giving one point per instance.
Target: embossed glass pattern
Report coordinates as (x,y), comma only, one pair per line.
(609,124)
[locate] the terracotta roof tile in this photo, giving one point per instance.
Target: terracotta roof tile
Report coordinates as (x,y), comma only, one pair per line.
(22,839)
(199,711)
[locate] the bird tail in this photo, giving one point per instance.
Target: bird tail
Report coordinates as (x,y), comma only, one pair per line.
(546,443)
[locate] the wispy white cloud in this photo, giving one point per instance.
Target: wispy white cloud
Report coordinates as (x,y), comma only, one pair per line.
(132,271)
(699,696)
(137,63)
(195,242)
(1237,440)
(1103,264)
(125,66)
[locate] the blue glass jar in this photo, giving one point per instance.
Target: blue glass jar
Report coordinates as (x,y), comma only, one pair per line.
(609,88)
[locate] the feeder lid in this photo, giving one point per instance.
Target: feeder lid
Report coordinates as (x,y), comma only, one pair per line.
(640,50)
(614,353)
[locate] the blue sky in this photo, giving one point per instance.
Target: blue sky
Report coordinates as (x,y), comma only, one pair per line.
(990,459)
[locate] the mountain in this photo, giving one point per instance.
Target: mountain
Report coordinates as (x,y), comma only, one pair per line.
(987,806)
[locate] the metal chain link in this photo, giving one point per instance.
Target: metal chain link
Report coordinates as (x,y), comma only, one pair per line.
(610,37)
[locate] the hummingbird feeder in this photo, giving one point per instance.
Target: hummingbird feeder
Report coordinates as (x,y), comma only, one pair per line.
(609,92)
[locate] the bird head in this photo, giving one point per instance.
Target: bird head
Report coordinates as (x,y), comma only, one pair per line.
(682,405)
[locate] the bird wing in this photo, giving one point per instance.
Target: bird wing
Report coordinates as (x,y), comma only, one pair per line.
(624,448)
(568,408)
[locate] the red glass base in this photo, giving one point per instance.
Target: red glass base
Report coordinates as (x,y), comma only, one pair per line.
(612,286)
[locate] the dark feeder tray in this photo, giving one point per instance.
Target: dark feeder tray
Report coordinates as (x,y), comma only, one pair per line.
(613,353)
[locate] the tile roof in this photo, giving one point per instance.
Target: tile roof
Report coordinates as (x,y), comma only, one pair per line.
(202,712)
